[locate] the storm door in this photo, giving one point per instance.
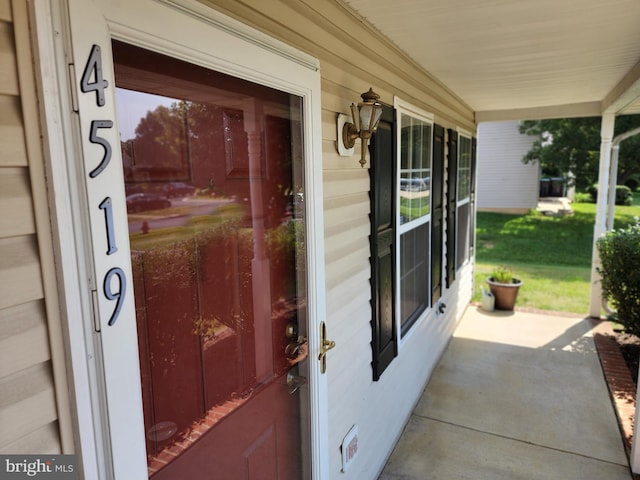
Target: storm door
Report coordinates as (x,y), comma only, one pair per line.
(212,168)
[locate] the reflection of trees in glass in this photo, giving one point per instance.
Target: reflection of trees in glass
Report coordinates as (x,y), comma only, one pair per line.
(169,138)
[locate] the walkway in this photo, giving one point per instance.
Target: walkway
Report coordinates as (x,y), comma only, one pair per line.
(515,396)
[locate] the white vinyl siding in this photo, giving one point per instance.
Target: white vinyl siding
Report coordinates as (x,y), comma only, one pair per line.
(29,401)
(504,182)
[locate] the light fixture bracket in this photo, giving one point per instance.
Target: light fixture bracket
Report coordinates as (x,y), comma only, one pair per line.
(349,135)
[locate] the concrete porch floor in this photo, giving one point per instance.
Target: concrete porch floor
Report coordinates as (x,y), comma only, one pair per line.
(516,395)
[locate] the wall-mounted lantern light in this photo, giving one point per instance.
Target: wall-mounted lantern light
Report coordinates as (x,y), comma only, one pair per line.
(364,121)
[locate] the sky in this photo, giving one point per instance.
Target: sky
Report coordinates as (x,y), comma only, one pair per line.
(133,106)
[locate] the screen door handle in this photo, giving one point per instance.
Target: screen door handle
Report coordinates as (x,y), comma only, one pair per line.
(325,346)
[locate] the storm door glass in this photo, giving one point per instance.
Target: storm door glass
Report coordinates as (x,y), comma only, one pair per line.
(215,201)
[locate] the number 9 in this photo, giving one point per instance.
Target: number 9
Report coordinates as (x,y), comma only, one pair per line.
(117,295)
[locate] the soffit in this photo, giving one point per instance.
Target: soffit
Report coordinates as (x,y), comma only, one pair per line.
(516,57)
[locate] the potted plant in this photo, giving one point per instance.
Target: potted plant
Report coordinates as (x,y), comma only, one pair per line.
(504,287)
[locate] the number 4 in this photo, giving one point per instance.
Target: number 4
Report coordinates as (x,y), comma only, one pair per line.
(92,79)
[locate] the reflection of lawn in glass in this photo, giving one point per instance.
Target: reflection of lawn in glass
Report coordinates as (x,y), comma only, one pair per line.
(224,217)
(416,207)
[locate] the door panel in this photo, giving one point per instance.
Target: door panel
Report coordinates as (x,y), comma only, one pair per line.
(213,173)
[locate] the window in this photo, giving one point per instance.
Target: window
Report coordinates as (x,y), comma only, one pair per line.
(414,215)
(463,200)
(407,212)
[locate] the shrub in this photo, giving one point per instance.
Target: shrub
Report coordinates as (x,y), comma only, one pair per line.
(633,183)
(620,271)
(624,195)
(582,198)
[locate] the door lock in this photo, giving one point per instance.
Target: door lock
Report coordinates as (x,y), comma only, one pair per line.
(296,347)
(325,346)
(294,382)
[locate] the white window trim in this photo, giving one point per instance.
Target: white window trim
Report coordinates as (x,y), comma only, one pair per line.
(249,54)
(461,134)
(406,108)
(466,200)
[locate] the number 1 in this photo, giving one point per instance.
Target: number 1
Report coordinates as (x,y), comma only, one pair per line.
(108,220)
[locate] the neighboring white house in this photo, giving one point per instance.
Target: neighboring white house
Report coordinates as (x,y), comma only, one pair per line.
(505,183)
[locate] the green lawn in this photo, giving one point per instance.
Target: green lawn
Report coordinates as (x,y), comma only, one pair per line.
(552,255)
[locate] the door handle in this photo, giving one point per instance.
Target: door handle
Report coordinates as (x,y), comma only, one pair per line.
(325,346)
(296,349)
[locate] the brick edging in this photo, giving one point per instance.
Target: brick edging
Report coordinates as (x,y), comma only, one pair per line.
(622,389)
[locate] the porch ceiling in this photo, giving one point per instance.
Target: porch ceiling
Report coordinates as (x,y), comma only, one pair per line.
(515,59)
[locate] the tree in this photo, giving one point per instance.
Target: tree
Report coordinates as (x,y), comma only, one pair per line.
(573,145)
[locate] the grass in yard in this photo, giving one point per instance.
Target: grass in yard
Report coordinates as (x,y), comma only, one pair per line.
(552,255)
(557,288)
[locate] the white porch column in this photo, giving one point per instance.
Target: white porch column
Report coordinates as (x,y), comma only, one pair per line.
(606,137)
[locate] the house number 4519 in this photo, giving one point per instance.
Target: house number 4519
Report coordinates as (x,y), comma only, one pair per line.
(92,81)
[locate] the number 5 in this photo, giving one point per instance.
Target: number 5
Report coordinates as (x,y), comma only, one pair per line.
(94,138)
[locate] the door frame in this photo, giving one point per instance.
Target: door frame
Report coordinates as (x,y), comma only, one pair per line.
(109,429)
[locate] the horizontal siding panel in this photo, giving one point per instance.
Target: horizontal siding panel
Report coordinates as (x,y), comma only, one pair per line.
(348,319)
(358,232)
(346,266)
(44,440)
(27,402)
(332,161)
(13,152)
(345,182)
(352,362)
(337,98)
(20,278)
(351,248)
(16,208)
(339,211)
(8,73)
(5,10)
(330,128)
(23,337)
(340,293)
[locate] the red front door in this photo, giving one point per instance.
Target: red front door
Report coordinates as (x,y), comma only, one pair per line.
(214,185)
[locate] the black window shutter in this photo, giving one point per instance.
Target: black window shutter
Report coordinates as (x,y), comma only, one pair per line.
(472,200)
(383,272)
(437,212)
(452,182)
